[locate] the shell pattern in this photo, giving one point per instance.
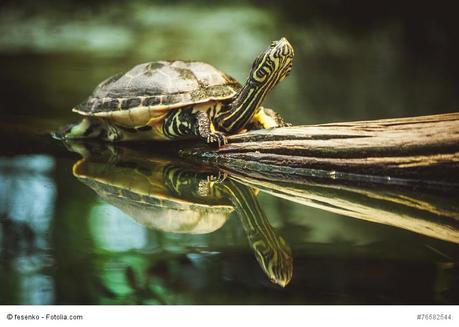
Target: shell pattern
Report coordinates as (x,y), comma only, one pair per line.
(157,86)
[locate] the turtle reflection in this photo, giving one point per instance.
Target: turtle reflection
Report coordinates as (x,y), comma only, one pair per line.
(183,198)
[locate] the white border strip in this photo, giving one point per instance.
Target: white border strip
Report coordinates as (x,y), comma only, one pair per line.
(231,316)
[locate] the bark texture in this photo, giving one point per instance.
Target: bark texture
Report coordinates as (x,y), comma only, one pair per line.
(423,148)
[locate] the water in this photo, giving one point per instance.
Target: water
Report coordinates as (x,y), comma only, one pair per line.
(63,240)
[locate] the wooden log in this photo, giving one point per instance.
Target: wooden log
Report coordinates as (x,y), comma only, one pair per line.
(399,172)
(425,148)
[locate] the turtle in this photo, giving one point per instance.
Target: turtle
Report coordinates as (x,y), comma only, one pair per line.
(177,197)
(170,100)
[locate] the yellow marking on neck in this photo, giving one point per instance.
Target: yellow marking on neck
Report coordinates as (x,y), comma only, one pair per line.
(261,92)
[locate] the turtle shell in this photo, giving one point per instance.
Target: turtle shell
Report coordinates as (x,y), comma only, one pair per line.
(156,87)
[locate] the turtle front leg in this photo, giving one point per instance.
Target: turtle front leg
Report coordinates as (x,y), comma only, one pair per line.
(186,123)
(205,130)
(267,118)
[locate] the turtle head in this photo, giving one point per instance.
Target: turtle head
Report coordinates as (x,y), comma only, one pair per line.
(273,64)
(275,260)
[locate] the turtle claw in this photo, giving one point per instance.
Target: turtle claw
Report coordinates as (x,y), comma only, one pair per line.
(216,138)
(219,178)
(203,188)
(206,184)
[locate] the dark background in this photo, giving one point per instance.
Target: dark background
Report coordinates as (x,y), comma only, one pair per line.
(354,59)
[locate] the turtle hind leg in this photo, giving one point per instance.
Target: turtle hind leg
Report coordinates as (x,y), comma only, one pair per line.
(267,118)
(84,129)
